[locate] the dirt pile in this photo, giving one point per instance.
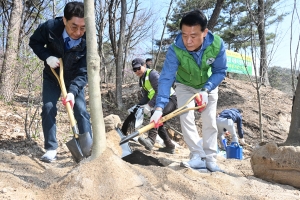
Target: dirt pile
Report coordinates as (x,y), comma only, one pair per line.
(23,176)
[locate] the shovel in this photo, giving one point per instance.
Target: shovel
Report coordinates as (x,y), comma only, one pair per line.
(81,144)
(176,112)
(126,150)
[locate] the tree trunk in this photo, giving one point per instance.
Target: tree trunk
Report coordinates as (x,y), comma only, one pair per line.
(257,84)
(162,35)
(120,55)
(100,24)
(261,131)
(262,42)
(294,133)
(215,15)
(112,26)
(129,34)
(11,54)
(93,66)
(54,8)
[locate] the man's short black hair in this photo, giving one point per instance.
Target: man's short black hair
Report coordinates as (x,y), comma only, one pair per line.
(148,59)
(193,18)
(240,110)
(74,9)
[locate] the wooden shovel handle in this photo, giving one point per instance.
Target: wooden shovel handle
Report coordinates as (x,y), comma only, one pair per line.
(61,82)
(175,113)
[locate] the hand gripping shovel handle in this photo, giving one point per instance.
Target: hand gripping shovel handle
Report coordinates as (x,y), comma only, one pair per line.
(61,82)
(176,112)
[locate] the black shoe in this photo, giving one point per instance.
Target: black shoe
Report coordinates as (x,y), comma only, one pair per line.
(146,143)
(170,150)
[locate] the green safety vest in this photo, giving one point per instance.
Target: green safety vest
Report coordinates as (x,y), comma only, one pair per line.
(189,73)
(148,87)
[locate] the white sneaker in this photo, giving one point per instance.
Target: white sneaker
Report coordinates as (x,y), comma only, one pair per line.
(196,162)
(49,156)
(213,167)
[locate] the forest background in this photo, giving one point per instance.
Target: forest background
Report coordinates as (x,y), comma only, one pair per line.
(253,28)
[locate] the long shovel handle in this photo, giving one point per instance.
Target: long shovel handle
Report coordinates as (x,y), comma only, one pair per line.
(61,82)
(175,113)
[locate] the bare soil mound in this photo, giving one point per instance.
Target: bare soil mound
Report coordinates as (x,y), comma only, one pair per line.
(24,176)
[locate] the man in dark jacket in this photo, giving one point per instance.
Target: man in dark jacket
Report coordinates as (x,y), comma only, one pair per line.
(226,119)
(62,37)
(149,84)
(148,63)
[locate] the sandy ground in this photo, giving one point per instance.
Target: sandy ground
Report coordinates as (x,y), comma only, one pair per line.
(109,177)
(156,176)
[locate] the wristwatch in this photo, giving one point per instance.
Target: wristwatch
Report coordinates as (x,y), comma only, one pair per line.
(204,89)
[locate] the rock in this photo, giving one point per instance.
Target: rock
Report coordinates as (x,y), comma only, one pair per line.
(171,133)
(4,190)
(165,187)
(16,118)
(111,122)
(277,164)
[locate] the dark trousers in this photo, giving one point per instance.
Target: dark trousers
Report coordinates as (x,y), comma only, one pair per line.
(161,131)
(51,93)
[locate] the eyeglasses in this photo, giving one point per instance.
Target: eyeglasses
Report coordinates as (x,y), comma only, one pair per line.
(136,69)
(74,27)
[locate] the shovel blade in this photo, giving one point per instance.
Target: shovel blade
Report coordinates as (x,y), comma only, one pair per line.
(85,142)
(129,137)
(75,150)
(126,150)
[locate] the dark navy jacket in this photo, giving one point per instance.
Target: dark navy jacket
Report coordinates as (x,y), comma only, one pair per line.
(47,41)
(236,117)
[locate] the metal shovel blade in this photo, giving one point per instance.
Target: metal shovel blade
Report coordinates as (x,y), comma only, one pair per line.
(128,137)
(75,150)
(126,150)
(85,142)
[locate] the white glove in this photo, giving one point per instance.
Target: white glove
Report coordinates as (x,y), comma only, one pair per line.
(202,100)
(53,62)
(69,98)
(156,117)
(204,96)
(147,109)
(130,110)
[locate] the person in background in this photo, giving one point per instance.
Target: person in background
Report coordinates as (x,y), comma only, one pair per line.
(62,37)
(148,63)
(196,61)
(226,120)
(149,82)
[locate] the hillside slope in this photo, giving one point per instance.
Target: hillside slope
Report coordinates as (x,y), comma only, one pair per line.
(23,176)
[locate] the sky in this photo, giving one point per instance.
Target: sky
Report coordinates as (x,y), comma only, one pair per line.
(160,9)
(282,54)
(280,48)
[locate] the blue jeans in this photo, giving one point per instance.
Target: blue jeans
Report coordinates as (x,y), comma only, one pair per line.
(51,93)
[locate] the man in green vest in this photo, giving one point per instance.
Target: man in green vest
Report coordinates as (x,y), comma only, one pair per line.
(149,84)
(196,61)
